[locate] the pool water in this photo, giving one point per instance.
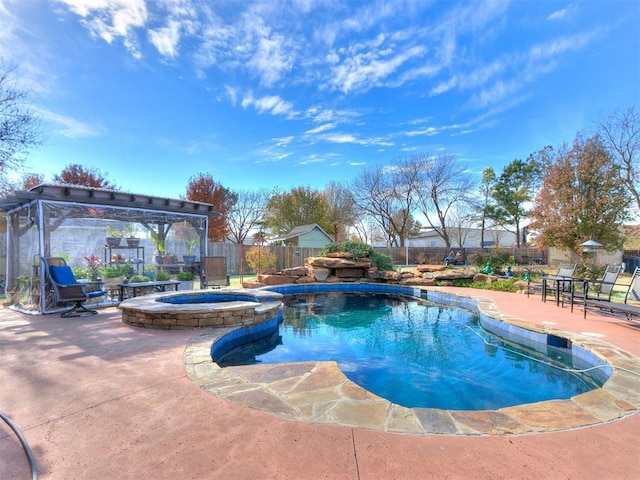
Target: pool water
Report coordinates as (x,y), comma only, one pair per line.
(413,353)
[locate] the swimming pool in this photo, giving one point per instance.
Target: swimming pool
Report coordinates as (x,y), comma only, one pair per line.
(415,353)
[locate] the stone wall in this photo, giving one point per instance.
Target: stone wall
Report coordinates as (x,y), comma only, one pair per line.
(342,267)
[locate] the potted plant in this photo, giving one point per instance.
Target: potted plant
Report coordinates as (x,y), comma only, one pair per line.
(186,280)
(130,230)
(160,245)
(138,279)
(190,244)
(113,236)
(163,276)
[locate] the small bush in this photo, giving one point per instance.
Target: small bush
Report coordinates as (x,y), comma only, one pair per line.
(260,258)
(500,285)
(162,276)
(185,276)
(138,279)
(359,250)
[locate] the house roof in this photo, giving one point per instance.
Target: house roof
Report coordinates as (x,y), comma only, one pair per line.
(298,231)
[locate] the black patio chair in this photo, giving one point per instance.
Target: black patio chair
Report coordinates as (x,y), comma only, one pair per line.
(67,290)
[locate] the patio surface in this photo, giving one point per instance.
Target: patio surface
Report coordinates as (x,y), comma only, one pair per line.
(99,399)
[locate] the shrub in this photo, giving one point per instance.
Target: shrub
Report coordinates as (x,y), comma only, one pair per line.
(359,250)
(185,276)
(138,279)
(162,276)
(260,258)
(115,270)
(498,258)
(500,285)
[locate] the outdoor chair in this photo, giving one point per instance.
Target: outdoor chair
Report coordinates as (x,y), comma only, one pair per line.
(214,274)
(66,289)
(559,284)
(630,308)
(598,290)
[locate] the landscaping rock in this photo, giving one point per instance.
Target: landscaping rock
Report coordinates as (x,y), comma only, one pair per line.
(327,262)
(320,273)
(275,279)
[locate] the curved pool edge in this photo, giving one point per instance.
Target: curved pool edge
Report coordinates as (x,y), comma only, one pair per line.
(318,392)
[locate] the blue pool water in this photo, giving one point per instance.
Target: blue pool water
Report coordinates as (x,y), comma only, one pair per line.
(413,353)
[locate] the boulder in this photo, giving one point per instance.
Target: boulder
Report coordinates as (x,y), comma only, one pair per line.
(385,275)
(296,272)
(305,279)
(327,262)
(484,278)
(320,273)
(275,279)
(339,255)
(349,272)
(431,268)
(426,282)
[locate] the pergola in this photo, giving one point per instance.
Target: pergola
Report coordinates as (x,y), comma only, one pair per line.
(72,222)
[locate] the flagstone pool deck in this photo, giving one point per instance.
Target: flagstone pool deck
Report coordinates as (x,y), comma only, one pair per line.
(99,399)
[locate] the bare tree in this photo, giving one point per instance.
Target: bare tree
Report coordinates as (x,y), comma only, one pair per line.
(442,184)
(621,134)
(341,209)
(384,194)
(246,213)
(460,225)
(19,127)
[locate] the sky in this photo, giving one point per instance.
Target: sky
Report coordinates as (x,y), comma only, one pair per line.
(282,94)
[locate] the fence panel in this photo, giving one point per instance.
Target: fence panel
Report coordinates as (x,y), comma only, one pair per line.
(291,256)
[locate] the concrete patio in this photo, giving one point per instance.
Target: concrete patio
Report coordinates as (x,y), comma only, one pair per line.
(99,399)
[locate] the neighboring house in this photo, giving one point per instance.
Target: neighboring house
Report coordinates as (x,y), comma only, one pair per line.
(310,236)
(464,237)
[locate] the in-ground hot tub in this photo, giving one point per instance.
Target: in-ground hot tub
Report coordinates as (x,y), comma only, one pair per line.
(202,308)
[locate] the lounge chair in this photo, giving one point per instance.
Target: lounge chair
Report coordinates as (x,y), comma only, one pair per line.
(559,284)
(66,289)
(214,274)
(629,309)
(598,290)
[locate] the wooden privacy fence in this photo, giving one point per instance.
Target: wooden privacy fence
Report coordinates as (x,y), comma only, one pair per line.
(290,256)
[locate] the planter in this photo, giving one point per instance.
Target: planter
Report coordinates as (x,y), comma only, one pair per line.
(113,241)
(185,285)
(133,241)
(189,259)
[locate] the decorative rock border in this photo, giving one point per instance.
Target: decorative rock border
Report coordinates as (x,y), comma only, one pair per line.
(201,308)
(318,392)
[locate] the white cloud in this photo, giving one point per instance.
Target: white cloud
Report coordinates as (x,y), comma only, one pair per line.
(320,128)
(71,127)
(166,39)
(111,19)
(365,70)
(272,104)
(562,13)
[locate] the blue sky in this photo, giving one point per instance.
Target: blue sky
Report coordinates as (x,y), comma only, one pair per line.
(301,92)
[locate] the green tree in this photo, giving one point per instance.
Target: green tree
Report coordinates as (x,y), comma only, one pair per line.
(300,206)
(486,194)
(513,190)
(583,196)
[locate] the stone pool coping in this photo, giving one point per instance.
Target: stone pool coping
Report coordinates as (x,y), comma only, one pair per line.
(318,392)
(232,307)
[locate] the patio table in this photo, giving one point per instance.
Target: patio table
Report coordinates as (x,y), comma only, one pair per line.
(159,286)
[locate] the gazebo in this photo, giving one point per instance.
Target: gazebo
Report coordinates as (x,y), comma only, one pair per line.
(73,222)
